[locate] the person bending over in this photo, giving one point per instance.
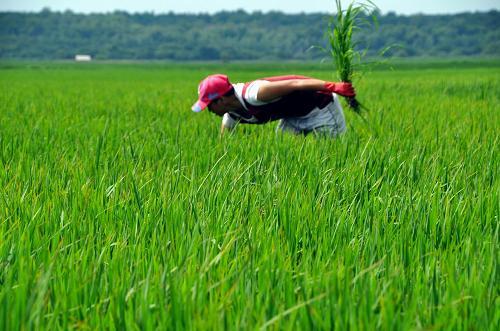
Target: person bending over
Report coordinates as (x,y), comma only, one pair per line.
(302,104)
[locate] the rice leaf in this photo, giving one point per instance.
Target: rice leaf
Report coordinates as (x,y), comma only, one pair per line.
(343,51)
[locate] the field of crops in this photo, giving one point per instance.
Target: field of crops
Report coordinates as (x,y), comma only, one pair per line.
(121,209)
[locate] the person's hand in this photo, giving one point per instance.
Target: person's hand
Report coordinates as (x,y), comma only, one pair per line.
(344,89)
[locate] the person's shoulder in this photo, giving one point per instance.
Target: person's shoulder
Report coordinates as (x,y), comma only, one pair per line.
(252,92)
(257,82)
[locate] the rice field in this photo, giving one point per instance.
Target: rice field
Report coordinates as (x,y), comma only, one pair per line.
(122,209)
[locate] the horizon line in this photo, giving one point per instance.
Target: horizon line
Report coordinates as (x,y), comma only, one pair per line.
(146,12)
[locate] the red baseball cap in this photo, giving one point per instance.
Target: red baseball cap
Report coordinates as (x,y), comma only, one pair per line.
(211,88)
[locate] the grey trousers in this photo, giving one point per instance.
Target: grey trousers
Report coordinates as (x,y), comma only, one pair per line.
(328,121)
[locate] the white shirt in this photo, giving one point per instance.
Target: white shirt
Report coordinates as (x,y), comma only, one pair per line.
(251,93)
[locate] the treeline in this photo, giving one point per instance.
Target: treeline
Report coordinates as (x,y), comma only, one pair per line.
(235,35)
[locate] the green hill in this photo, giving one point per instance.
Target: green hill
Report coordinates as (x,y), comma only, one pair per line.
(234,35)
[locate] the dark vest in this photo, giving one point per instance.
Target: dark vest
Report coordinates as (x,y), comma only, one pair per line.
(295,104)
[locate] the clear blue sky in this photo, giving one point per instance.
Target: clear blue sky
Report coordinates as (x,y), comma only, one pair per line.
(211,6)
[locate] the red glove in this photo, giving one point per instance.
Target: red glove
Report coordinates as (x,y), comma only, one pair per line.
(344,89)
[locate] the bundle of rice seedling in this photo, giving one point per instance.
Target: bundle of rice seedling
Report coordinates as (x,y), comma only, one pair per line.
(342,47)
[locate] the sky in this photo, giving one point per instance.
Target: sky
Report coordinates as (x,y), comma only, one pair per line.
(210,6)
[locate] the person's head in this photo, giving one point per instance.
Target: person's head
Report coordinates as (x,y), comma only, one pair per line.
(216,93)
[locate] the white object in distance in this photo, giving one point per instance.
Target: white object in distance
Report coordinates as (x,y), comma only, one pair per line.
(83,58)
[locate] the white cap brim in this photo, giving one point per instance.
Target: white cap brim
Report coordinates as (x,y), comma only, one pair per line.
(196,108)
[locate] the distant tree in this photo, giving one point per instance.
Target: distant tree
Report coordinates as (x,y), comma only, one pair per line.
(236,35)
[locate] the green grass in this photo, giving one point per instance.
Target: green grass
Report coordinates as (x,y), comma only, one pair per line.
(120,209)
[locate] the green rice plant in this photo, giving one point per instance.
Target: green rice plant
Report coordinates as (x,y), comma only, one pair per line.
(341,28)
(121,210)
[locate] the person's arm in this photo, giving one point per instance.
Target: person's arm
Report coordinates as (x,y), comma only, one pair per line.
(228,123)
(269,91)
